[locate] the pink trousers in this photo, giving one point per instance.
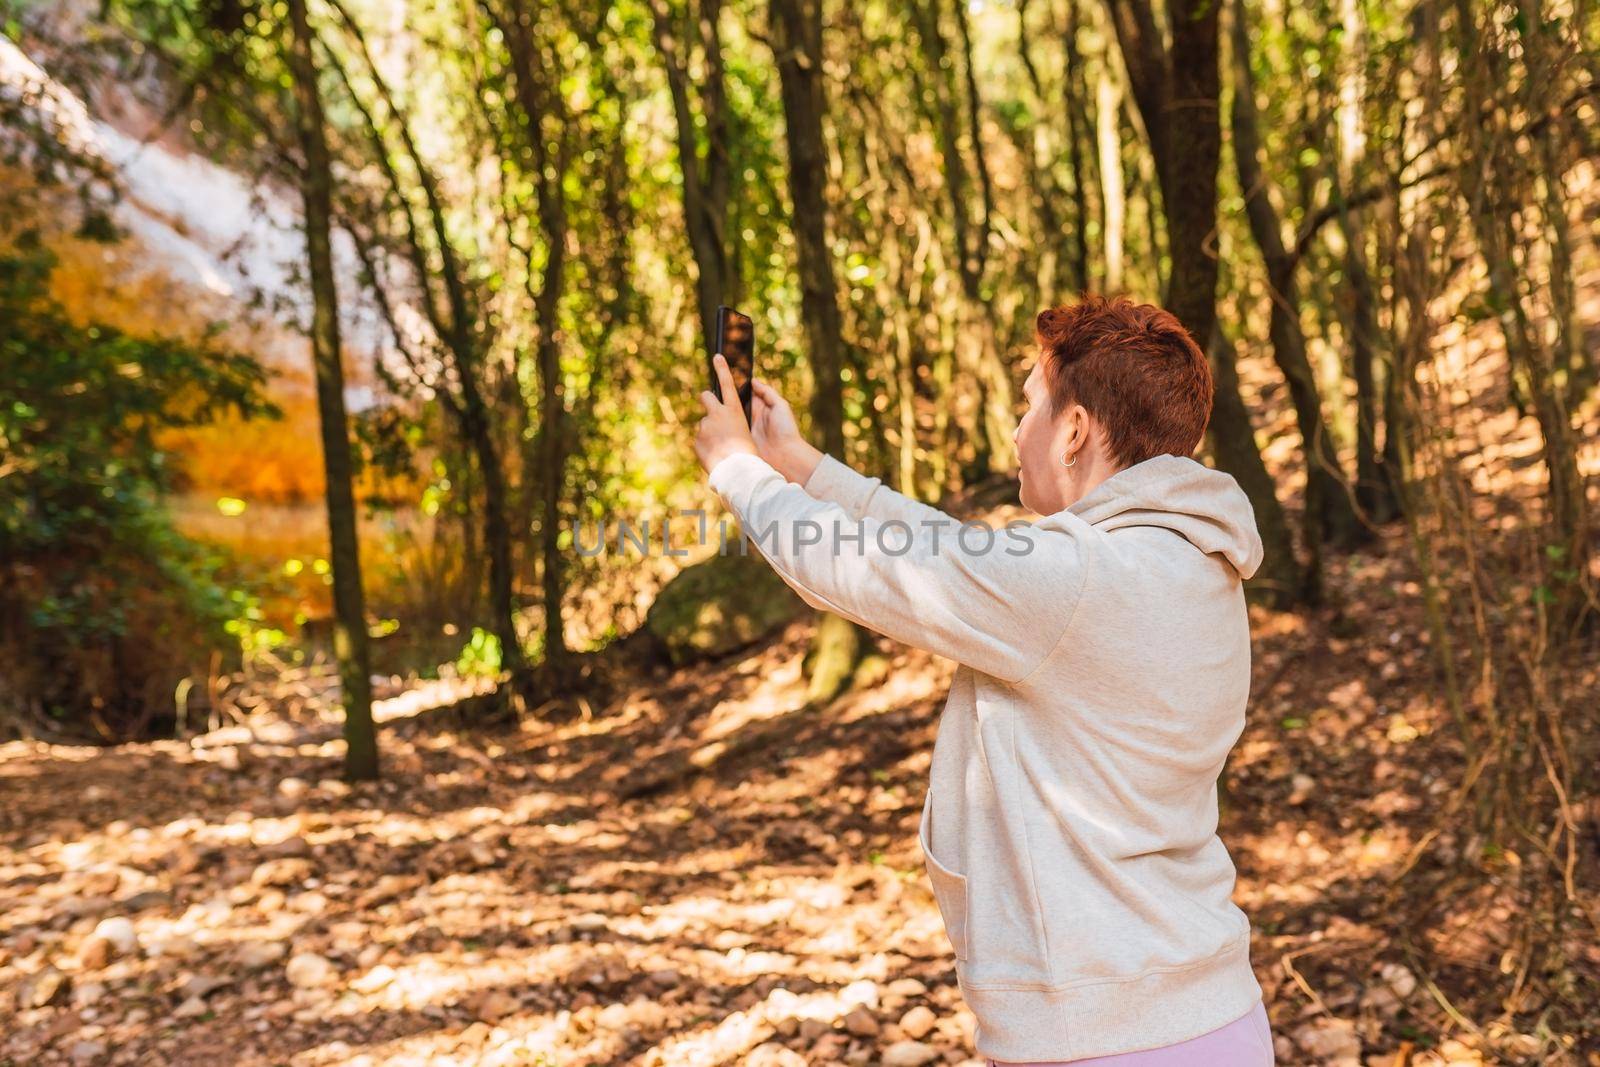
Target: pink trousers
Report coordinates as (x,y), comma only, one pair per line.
(1245,1042)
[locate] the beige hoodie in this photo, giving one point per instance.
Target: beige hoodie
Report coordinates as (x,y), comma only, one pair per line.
(1069,827)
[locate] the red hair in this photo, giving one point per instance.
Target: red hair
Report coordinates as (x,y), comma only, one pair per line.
(1134,368)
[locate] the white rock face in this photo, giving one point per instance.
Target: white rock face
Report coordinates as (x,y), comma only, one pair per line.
(205,227)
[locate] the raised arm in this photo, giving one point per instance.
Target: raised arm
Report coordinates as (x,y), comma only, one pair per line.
(863,496)
(823,476)
(993,599)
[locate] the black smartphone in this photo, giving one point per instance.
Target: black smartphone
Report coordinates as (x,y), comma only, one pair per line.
(736,340)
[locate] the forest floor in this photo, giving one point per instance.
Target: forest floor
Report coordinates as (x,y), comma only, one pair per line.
(498,899)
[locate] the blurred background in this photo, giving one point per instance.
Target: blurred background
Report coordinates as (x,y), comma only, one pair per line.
(335,335)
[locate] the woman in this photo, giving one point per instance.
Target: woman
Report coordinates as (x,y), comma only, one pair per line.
(1069,827)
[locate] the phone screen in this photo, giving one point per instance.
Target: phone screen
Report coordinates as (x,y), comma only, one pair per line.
(736,337)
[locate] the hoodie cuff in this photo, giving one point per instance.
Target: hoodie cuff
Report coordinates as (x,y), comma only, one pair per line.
(731,475)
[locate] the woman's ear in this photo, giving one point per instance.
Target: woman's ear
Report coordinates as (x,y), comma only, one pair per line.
(1075,428)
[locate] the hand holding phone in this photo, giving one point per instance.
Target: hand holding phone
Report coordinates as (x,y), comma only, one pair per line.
(721,433)
(736,342)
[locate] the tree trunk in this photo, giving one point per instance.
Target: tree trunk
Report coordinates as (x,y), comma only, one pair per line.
(796,27)
(1108,138)
(496,517)
(1177,93)
(1374,491)
(1489,184)
(350,642)
(1034,143)
(548,160)
(1330,515)
(1192,148)
(797,42)
(999,401)
(707,180)
(552,437)
(1074,91)
(456,333)
(1280,581)
(977,342)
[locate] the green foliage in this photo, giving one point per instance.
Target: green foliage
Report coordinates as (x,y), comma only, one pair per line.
(248,627)
(480,656)
(103,606)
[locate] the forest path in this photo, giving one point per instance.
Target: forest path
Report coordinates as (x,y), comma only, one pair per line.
(493,902)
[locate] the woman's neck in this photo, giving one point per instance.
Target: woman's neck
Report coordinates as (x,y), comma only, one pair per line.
(1079,480)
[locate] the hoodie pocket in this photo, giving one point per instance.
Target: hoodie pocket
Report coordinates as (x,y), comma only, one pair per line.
(949,887)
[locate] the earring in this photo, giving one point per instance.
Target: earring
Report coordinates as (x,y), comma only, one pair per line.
(1065,462)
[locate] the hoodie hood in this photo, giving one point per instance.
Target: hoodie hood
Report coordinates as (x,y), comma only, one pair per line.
(1204,506)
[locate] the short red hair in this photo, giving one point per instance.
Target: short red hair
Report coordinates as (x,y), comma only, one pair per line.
(1134,368)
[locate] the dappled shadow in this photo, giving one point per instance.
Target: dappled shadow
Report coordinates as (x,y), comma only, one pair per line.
(497,896)
(480,846)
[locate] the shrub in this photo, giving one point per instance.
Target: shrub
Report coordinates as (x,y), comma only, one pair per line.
(104,607)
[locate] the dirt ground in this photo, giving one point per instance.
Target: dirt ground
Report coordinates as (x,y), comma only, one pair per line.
(500,899)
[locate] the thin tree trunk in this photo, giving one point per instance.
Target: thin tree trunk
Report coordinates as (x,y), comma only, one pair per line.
(1073,93)
(1034,143)
(796,27)
(1108,137)
(1544,59)
(906,381)
(1280,580)
(350,641)
(974,102)
(496,520)
(549,162)
(455,331)
(1330,515)
(552,435)
(978,344)
(1489,184)
(549,157)
(1192,147)
(707,179)
(969,249)
(1373,489)
(797,41)
(1037,142)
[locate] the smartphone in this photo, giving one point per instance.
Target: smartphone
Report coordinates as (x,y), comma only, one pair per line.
(736,338)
